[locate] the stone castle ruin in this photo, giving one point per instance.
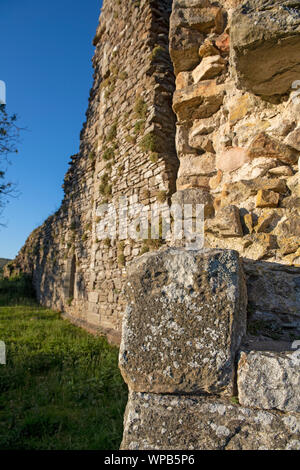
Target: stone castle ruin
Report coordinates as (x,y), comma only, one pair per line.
(193,102)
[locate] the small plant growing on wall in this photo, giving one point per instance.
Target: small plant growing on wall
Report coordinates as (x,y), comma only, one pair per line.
(121,259)
(148,143)
(161,196)
(112,133)
(105,188)
(108,153)
(156,51)
(153,157)
(140,108)
(139,126)
(121,256)
(130,139)
(107,242)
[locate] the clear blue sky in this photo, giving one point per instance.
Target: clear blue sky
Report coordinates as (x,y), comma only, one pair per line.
(45,60)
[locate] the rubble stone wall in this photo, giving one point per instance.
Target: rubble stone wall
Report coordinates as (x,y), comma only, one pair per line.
(195,380)
(237,140)
(127,148)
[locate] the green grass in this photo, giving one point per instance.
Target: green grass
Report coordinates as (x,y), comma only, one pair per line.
(61,387)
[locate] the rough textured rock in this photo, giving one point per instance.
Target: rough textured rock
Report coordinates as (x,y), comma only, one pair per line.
(265,146)
(227,223)
(265,38)
(184,322)
(274,290)
(198,101)
(209,67)
(269,380)
(202,423)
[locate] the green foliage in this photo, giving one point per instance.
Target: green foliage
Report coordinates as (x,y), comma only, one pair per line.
(130,139)
(107,242)
(121,169)
(140,108)
(145,249)
(156,51)
(123,75)
(148,143)
(112,133)
(162,196)
(153,157)
(108,153)
(105,188)
(61,388)
(235,400)
(121,259)
(139,126)
(16,289)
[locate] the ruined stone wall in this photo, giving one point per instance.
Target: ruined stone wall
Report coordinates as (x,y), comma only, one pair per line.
(195,380)
(215,365)
(237,69)
(127,148)
(202,330)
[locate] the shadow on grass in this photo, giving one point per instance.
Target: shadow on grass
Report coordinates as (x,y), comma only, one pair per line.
(17,290)
(61,388)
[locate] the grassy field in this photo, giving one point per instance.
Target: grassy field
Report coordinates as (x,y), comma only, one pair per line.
(61,387)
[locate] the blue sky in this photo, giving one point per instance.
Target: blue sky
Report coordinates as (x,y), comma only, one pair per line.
(45,60)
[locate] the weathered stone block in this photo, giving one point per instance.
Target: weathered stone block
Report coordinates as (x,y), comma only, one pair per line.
(266,146)
(184,45)
(184,322)
(156,422)
(232,159)
(198,101)
(197,164)
(274,288)
(226,223)
(293,139)
(265,40)
(209,67)
(195,196)
(269,380)
(267,198)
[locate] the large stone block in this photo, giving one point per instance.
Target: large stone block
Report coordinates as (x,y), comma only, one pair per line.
(156,422)
(184,322)
(198,101)
(275,289)
(269,380)
(265,41)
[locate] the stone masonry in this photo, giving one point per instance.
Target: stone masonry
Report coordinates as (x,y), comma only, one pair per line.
(127,148)
(193,384)
(237,144)
(193,101)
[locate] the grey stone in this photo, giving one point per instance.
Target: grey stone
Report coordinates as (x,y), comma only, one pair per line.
(265,41)
(274,288)
(269,380)
(156,422)
(184,322)
(227,222)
